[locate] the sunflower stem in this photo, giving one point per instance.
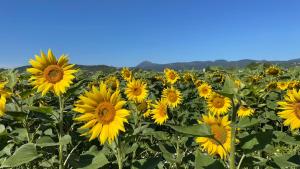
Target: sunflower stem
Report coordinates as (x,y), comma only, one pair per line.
(119,155)
(61,131)
(233,135)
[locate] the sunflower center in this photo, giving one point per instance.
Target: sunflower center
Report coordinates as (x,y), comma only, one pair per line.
(172,75)
(297,110)
(219,133)
(127,74)
(218,102)
(204,90)
(172,96)
(162,110)
(53,73)
(106,112)
(137,91)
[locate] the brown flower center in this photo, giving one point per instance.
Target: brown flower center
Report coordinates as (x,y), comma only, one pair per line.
(53,73)
(297,109)
(172,96)
(219,133)
(106,112)
(218,102)
(137,91)
(172,75)
(127,74)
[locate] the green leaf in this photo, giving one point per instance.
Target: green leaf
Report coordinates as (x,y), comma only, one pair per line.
(148,163)
(199,130)
(229,87)
(283,161)
(203,161)
(247,122)
(2,129)
(40,109)
(22,155)
(46,141)
(66,139)
(92,159)
(257,141)
(166,154)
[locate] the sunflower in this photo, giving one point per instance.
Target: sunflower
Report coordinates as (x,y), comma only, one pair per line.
(145,107)
(273,70)
(218,104)
(220,128)
(187,77)
(102,112)
(204,90)
(171,75)
(290,107)
(126,74)
(50,74)
(136,90)
(198,83)
(271,86)
(292,84)
(172,96)
(3,96)
(160,112)
(112,82)
(282,85)
(245,111)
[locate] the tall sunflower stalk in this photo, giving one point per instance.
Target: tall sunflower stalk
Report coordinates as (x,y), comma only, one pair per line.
(235,108)
(55,75)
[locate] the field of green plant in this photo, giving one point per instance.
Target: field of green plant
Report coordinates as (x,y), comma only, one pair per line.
(55,115)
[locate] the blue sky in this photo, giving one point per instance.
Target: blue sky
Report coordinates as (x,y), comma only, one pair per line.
(126,32)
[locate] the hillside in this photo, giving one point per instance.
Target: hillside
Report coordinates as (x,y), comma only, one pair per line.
(203,64)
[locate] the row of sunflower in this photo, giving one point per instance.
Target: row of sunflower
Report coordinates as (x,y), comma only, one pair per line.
(209,119)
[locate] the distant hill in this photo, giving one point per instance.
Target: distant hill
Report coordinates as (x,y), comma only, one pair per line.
(197,65)
(146,65)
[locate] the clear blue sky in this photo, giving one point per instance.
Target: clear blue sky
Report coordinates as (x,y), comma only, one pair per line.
(126,32)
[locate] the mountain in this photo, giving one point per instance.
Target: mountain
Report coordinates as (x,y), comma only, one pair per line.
(197,65)
(146,65)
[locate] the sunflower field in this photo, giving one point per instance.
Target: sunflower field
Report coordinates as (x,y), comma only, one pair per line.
(54,115)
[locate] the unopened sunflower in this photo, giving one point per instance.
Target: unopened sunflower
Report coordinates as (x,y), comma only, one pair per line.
(220,128)
(172,96)
(136,90)
(126,74)
(245,111)
(218,104)
(102,112)
(273,70)
(204,90)
(3,97)
(50,74)
(160,112)
(171,75)
(290,107)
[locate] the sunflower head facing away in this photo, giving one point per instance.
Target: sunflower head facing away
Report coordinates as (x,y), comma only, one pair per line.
(126,74)
(160,112)
(112,82)
(198,83)
(245,111)
(220,128)
(102,112)
(188,77)
(3,96)
(271,86)
(145,107)
(50,74)
(171,75)
(282,85)
(273,70)
(204,90)
(136,90)
(172,96)
(218,104)
(290,109)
